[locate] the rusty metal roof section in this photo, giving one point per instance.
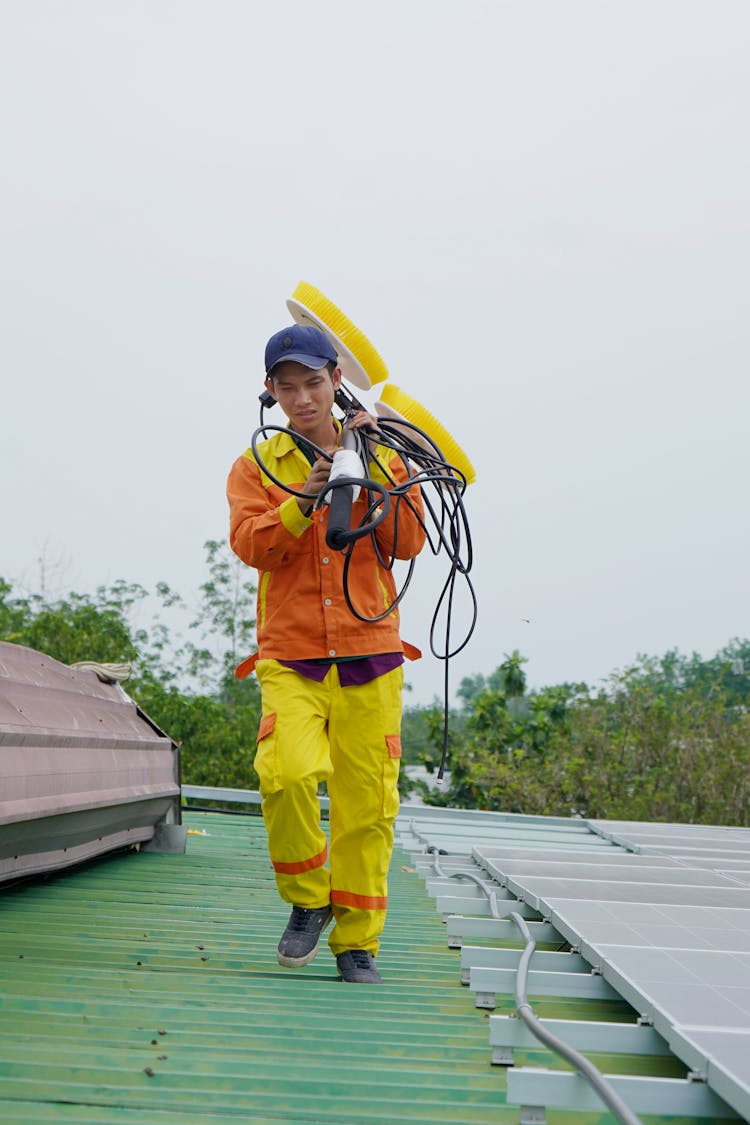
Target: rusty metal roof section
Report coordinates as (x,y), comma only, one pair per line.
(82,769)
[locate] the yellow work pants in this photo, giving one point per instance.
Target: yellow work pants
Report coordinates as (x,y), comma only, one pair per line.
(350,738)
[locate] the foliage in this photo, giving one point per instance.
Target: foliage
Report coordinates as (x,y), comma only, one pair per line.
(666,739)
(73,628)
(417,735)
(225,611)
(509,679)
(217,733)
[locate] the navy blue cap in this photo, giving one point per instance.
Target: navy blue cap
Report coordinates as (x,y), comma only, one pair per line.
(300,343)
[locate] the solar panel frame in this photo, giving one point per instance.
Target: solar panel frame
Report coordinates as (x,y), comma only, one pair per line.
(661,911)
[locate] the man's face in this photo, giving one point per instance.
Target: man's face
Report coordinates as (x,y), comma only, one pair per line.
(305,395)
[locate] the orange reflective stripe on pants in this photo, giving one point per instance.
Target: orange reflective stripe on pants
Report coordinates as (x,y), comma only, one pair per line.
(349,738)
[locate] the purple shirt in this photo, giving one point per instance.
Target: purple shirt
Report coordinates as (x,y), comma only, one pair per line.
(352,673)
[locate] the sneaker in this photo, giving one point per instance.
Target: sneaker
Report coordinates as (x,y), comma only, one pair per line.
(357,966)
(299,941)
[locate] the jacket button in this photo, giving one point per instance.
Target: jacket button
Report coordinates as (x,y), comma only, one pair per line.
(325,560)
(328,601)
(332,652)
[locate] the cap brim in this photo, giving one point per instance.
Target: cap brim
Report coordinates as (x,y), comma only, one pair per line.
(311,361)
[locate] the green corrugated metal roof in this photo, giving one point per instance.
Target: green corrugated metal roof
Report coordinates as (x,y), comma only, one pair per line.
(145,988)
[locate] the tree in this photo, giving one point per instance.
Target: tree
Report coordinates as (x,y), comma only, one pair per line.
(666,739)
(226,611)
(470,687)
(75,628)
(513,677)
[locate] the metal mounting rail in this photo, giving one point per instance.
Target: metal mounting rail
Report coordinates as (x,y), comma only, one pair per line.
(585,1068)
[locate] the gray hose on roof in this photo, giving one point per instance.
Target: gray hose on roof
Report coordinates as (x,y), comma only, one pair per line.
(586,1069)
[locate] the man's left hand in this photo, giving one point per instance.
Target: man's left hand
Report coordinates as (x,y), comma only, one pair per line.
(363,421)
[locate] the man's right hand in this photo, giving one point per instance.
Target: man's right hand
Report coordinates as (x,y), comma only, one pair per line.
(317,480)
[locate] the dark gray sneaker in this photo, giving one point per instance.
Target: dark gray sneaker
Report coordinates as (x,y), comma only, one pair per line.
(357,966)
(299,941)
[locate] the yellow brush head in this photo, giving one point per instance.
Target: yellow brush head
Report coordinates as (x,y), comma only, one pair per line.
(402,404)
(361,363)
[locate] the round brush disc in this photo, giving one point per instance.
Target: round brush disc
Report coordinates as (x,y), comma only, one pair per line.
(359,361)
(395,402)
(391,415)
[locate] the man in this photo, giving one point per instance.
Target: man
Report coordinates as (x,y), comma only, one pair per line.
(330,683)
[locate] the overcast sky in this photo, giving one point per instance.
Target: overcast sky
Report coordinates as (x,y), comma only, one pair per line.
(538,213)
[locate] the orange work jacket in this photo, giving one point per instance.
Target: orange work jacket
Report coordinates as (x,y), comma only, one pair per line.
(302,612)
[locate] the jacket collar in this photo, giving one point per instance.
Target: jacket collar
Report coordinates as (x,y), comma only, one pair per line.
(289,441)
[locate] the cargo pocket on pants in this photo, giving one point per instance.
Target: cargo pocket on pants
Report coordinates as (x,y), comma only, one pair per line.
(265,753)
(390,775)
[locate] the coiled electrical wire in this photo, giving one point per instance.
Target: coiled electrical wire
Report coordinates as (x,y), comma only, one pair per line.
(445,524)
(372,517)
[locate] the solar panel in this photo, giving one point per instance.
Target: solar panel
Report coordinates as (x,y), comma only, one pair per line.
(638,869)
(537,889)
(723,1056)
(678,952)
(662,912)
